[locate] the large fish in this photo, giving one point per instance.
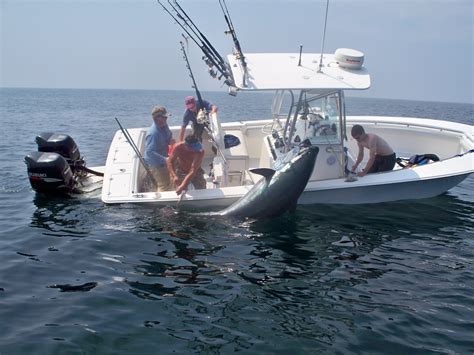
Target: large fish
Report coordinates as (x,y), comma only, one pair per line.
(279,189)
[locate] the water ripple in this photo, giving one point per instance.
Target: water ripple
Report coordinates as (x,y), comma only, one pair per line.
(81,277)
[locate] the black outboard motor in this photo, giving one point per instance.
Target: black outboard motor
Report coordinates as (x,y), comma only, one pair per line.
(55,167)
(58,143)
(49,172)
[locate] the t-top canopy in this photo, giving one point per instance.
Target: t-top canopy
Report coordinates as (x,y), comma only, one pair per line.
(277,71)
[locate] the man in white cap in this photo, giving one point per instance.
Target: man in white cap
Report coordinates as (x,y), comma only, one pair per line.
(190,115)
(157,140)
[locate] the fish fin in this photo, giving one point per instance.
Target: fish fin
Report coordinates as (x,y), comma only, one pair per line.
(267,173)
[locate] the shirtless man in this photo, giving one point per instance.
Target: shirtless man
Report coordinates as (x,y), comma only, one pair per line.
(381,156)
(184,164)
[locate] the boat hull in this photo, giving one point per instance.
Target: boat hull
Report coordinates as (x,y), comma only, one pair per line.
(341,193)
(366,194)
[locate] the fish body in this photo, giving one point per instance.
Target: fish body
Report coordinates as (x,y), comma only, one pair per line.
(278,191)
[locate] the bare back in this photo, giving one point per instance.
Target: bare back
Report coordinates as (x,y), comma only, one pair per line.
(187,157)
(377,145)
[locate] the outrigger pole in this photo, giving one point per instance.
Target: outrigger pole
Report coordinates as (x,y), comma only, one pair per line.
(231,31)
(204,122)
(215,53)
(211,57)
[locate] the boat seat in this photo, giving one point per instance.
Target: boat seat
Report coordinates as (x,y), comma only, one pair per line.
(237,157)
(237,163)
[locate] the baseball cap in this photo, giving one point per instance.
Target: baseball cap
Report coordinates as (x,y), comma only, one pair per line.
(159,111)
(190,101)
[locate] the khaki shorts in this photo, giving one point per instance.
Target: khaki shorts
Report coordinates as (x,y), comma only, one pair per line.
(198,180)
(162,178)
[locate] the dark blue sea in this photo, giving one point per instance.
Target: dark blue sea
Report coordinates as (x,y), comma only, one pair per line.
(394,278)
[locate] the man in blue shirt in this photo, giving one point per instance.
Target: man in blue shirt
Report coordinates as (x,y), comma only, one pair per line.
(157,140)
(190,115)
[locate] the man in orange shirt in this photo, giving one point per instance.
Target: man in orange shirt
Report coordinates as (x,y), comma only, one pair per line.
(184,164)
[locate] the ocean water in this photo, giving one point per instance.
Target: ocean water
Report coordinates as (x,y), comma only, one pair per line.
(80,277)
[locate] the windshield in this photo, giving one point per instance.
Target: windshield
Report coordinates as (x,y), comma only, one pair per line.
(321,116)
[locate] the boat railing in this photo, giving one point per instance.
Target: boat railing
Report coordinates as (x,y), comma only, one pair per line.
(416,122)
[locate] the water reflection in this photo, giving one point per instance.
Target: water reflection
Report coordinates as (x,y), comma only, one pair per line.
(62,216)
(319,275)
(182,252)
(320,242)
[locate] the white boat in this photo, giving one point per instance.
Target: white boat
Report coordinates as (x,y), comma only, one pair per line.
(308,104)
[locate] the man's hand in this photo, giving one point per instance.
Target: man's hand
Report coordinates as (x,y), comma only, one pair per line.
(180,189)
(176,181)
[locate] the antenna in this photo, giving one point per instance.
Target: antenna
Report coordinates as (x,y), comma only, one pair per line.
(301,50)
(324,37)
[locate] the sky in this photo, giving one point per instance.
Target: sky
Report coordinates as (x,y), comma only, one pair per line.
(414,49)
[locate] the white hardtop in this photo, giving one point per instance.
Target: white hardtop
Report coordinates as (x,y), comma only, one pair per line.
(277,71)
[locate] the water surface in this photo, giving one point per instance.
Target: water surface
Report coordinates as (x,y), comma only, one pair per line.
(78,276)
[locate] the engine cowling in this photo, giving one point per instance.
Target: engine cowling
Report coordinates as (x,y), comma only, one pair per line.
(49,172)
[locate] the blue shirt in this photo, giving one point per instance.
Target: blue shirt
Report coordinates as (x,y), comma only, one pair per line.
(156,145)
(190,116)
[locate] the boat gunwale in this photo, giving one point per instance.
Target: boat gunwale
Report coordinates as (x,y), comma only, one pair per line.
(460,130)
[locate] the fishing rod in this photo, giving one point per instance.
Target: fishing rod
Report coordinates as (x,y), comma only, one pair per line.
(177,8)
(205,122)
(181,25)
(188,66)
(137,152)
(187,21)
(231,31)
(210,59)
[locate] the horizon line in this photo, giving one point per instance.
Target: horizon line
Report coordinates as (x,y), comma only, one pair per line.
(223,92)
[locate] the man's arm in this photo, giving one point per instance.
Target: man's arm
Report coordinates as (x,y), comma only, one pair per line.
(370,162)
(195,166)
(151,155)
(186,119)
(360,156)
(170,162)
(210,108)
(181,133)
